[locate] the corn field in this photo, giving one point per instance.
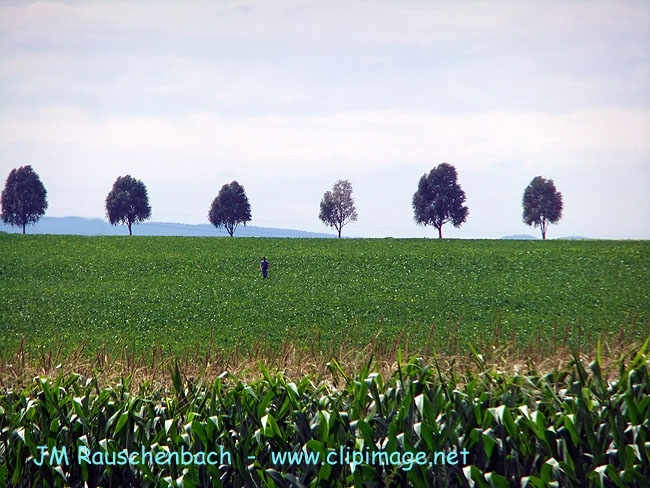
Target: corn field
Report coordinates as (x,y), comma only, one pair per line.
(570,427)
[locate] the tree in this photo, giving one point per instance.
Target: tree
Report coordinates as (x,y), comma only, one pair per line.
(439,199)
(128,202)
(230,208)
(24,198)
(542,204)
(337,206)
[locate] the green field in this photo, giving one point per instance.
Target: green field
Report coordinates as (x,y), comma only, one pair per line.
(179,292)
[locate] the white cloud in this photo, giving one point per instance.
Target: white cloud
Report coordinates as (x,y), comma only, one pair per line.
(123,58)
(364,139)
(356,20)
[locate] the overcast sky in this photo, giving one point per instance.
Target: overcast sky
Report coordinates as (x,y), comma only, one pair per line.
(287,96)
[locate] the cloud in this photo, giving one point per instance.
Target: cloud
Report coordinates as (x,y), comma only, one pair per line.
(352,20)
(585,138)
(169,58)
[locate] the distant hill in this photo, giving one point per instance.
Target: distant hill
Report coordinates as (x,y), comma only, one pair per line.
(526,237)
(94,227)
(520,237)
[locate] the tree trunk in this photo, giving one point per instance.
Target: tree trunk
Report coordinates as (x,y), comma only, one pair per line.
(339,232)
(129,226)
(23,228)
(440,232)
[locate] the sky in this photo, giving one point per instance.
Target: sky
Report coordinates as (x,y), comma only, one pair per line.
(287,97)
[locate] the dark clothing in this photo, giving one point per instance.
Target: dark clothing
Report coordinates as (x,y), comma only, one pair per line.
(264,267)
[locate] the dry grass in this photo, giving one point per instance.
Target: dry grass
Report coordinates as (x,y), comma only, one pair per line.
(296,358)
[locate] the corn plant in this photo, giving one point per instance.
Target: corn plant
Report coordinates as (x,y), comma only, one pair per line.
(570,427)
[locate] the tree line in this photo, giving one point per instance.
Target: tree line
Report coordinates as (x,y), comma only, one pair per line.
(438,200)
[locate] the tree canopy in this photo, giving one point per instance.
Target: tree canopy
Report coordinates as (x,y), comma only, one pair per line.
(542,204)
(230,208)
(24,198)
(337,206)
(127,202)
(439,199)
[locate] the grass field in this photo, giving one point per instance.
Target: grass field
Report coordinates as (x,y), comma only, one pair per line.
(182,292)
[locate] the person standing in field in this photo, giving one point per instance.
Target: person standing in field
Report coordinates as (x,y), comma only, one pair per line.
(264,267)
